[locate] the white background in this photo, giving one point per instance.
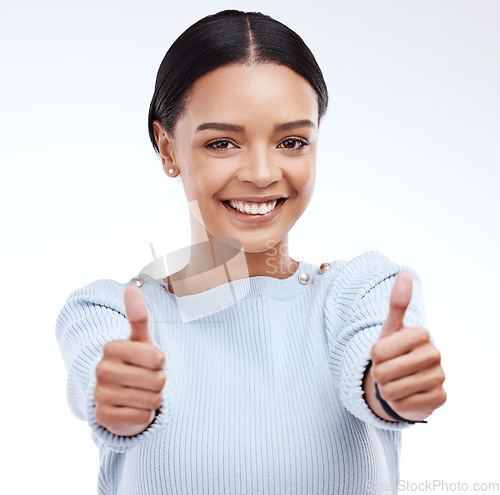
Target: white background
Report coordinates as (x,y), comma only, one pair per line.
(408,165)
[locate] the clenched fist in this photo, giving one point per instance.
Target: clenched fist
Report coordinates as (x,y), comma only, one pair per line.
(405,363)
(130,375)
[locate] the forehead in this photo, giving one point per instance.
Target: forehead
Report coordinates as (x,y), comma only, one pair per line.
(241,92)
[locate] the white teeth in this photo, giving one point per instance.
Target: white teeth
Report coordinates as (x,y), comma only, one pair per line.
(253,208)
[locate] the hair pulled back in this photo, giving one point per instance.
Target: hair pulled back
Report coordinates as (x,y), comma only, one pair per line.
(224,38)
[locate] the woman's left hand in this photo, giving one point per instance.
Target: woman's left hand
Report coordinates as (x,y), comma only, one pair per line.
(405,363)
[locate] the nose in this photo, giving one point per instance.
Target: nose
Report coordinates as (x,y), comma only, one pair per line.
(260,167)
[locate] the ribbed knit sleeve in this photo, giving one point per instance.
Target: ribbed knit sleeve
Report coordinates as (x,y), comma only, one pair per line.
(357,305)
(91,317)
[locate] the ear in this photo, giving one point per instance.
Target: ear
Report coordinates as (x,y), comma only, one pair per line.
(165,145)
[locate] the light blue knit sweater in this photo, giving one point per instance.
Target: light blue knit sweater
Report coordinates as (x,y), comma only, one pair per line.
(262,396)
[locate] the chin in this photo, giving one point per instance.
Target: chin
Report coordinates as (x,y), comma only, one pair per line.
(260,245)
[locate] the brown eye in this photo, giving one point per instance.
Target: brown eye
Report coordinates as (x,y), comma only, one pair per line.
(293,144)
(220,145)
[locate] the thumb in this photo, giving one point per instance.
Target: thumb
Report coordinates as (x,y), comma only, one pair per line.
(136,310)
(399,301)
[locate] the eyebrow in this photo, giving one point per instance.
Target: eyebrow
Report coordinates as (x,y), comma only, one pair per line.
(286,126)
(220,126)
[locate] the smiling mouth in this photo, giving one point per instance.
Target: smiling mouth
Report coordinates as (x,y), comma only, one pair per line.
(253,208)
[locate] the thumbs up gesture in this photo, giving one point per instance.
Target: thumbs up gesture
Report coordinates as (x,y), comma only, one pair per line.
(130,375)
(405,364)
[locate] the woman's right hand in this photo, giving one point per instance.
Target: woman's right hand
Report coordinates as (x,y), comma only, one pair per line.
(130,375)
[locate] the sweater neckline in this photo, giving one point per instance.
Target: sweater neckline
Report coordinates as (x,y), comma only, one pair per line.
(194,306)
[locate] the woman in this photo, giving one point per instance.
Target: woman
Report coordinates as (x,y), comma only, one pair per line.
(247,371)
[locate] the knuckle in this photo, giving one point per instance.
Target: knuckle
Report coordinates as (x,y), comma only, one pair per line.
(116,350)
(107,349)
(161,378)
(103,371)
(403,408)
(422,334)
(156,401)
(379,375)
(387,392)
(376,352)
(437,355)
(110,348)
(101,415)
(160,359)
(434,356)
(441,377)
(142,416)
(442,397)
(104,396)
(98,370)
(97,395)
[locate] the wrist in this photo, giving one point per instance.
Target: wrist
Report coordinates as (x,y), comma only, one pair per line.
(388,409)
(378,405)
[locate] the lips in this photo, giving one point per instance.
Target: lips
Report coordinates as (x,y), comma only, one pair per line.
(255,199)
(254,218)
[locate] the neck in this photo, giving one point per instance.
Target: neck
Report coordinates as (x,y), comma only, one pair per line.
(215,261)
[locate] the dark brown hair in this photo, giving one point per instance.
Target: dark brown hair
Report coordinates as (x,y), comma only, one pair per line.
(228,37)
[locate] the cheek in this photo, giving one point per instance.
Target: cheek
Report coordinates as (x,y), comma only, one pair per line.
(205,180)
(303,178)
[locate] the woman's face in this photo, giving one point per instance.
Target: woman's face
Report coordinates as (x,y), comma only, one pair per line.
(248,133)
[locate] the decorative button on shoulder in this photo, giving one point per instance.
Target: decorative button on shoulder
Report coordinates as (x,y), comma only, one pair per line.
(324,267)
(137,281)
(304,278)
